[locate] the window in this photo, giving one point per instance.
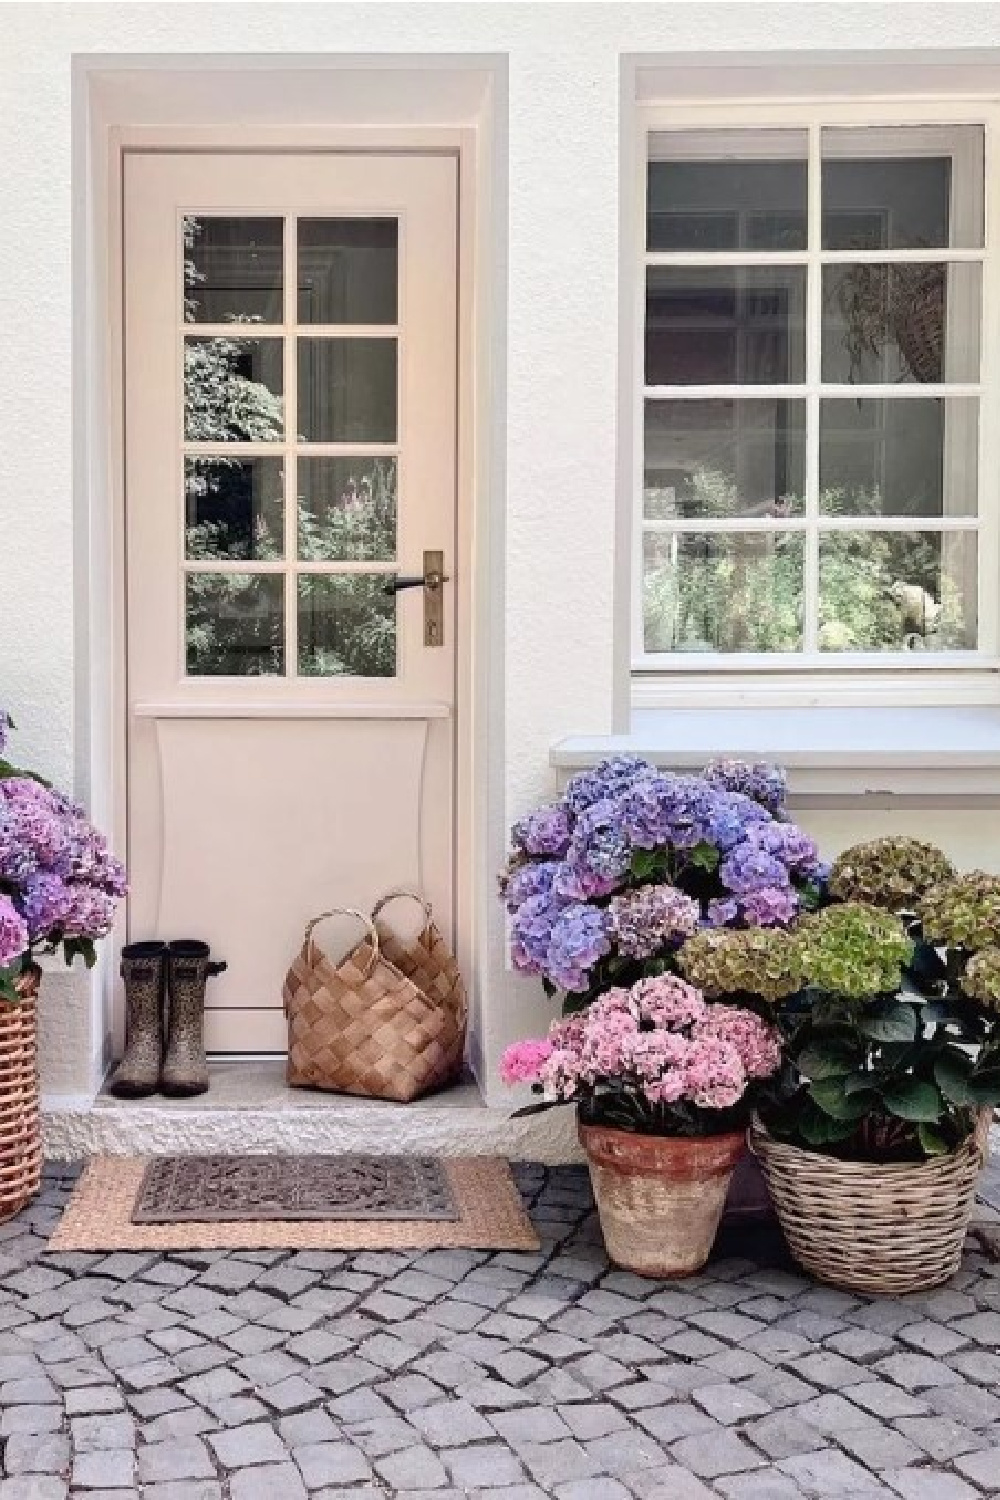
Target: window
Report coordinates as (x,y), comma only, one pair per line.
(813,492)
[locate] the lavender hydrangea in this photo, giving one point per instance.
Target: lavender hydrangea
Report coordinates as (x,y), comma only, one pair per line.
(579,938)
(631,861)
(545,832)
(643,921)
(58,877)
(760,781)
(14,937)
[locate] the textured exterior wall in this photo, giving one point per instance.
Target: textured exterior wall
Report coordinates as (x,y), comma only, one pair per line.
(564,71)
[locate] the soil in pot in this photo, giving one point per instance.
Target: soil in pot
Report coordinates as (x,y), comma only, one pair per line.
(660,1198)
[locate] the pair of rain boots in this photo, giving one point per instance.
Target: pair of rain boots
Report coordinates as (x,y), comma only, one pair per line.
(164,1019)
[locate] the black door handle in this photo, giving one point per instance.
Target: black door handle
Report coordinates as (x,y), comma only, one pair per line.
(414,581)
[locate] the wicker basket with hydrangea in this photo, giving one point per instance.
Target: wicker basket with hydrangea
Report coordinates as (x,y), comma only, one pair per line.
(873,1138)
(59,887)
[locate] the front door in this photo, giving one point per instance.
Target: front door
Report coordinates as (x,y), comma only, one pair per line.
(290,442)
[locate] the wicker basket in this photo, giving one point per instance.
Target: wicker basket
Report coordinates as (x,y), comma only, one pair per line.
(20,1112)
(386,1022)
(870,1227)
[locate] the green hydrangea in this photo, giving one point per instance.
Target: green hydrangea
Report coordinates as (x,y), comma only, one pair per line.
(762,961)
(854,950)
(892,872)
(963,912)
(981,980)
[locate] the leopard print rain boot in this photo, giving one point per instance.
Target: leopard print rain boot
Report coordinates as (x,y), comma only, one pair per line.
(185,1070)
(144,971)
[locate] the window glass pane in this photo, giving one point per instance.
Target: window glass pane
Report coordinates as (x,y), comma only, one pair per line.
(347,625)
(347,390)
(235,625)
(897,591)
(713,190)
(886,324)
(731,593)
(724,458)
(347,509)
(910,457)
(233,390)
(347,270)
(903,189)
(233,270)
(725,326)
(234,507)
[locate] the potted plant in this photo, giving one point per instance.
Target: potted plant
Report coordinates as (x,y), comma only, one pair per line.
(873,1137)
(663,1084)
(59,886)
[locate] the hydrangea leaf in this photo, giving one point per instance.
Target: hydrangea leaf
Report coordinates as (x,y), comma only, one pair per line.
(931,1140)
(913,1099)
(832,1099)
(889,1021)
(820,1129)
(704,857)
(984,1087)
(828,1059)
(951,1074)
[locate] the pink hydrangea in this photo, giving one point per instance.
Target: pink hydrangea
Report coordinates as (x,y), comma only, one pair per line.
(522,1063)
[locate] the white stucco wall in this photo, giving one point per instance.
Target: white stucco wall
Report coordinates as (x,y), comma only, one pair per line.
(556,426)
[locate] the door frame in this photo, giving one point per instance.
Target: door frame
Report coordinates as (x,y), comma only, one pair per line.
(100,411)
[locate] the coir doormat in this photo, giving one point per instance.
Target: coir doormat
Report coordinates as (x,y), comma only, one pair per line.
(489,1215)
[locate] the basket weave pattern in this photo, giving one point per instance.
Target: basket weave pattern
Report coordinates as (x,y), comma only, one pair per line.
(20,1113)
(878,1228)
(387,1022)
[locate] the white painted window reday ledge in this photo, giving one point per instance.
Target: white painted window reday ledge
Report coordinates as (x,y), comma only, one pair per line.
(933,753)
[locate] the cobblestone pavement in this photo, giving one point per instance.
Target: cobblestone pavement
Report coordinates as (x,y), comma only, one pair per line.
(273,1376)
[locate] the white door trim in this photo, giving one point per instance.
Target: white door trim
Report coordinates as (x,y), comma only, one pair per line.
(480,689)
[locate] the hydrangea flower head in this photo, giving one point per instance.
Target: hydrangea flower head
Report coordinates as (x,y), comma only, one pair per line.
(981,980)
(890,872)
(753,961)
(544,832)
(963,912)
(758,780)
(649,918)
(854,950)
(14,937)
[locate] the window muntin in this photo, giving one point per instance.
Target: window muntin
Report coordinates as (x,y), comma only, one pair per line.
(290,336)
(812,388)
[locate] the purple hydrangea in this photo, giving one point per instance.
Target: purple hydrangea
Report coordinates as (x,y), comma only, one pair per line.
(599,848)
(531,933)
(652,917)
(579,939)
(90,913)
(749,868)
(45,901)
(544,833)
(759,780)
(770,906)
(722,912)
(525,881)
(605,782)
(663,809)
(14,937)
(786,842)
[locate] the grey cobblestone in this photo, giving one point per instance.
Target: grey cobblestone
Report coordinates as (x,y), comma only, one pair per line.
(460,1375)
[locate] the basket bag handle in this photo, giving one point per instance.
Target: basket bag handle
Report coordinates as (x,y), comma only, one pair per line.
(399,894)
(345,911)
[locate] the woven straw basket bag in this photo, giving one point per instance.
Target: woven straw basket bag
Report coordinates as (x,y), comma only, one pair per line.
(386,1022)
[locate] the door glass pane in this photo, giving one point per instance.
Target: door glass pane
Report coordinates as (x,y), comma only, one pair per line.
(916,322)
(347,509)
(347,390)
(234,507)
(347,270)
(233,270)
(707,191)
(715,592)
(910,457)
(235,624)
(347,625)
(897,591)
(233,390)
(903,189)
(724,458)
(741,325)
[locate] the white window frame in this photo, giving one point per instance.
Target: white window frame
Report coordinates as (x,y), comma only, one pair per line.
(661,679)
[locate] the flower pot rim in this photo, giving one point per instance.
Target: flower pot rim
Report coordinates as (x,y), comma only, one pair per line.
(648,1135)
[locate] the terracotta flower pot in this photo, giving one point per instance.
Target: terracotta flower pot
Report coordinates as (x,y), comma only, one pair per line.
(660,1198)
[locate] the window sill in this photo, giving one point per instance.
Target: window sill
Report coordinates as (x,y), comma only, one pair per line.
(873,755)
